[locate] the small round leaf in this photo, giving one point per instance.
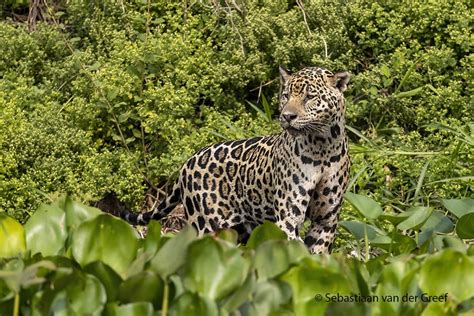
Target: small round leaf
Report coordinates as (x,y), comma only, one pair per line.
(418,217)
(107,239)
(85,295)
(445,272)
(264,232)
(365,205)
(193,304)
(46,230)
(465,226)
(214,269)
(12,237)
(133,309)
(143,287)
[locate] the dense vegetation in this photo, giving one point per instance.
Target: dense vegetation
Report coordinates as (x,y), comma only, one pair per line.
(112,96)
(70,259)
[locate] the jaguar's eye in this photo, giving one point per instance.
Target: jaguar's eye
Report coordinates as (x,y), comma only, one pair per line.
(284,96)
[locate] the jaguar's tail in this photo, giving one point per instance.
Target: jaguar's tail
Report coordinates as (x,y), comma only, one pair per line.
(163,209)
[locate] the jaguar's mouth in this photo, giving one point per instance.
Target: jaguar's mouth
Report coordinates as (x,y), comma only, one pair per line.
(293,131)
(290,129)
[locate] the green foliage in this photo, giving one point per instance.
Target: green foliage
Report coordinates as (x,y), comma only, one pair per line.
(12,236)
(411,101)
(210,276)
(96,240)
(416,229)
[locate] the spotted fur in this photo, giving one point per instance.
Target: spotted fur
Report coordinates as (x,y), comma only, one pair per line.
(298,174)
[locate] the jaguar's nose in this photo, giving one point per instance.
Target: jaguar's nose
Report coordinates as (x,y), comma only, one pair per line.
(289,116)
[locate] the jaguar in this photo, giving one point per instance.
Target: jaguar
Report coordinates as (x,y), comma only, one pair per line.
(297,175)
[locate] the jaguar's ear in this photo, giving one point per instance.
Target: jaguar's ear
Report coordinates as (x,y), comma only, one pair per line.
(340,80)
(284,74)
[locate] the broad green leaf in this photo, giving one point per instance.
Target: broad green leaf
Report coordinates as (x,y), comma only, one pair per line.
(15,275)
(396,219)
(375,267)
(264,232)
(360,275)
(394,242)
(11,272)
(107,276)
(390,284)
(76,213)
(46,231)
(142,287)
(33,273)
(133,309)
(240,295)
(448,271)
(12,237)
(441,242)
(465,226)
(215,270)
(419,215)
(268,296)
(153,237)
(410,278)
(172,255)
(365,205)
(438,308)
(64,276)
(381,240)
(229,235)
(85,295)
(274,257)
(138,265)
(423,237)
(176,283)
(195,305)
(459,207)
(359,229)
(6,294)
(438,222)
(107,239)
(311,278)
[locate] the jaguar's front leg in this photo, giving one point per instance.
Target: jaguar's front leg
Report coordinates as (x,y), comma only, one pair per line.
(290,214)
(323,213)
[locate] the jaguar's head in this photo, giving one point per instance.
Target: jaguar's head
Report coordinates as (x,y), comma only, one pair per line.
(311,99)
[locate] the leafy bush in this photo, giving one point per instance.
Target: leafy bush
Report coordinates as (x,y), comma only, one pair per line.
(71,259)
(416,229)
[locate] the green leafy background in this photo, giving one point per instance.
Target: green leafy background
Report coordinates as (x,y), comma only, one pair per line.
(100,266)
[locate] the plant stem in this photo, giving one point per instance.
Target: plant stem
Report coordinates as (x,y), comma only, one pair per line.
(366,239)
(164,306)
(16,304)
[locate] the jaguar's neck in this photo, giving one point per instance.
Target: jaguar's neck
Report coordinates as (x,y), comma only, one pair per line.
(319,145)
